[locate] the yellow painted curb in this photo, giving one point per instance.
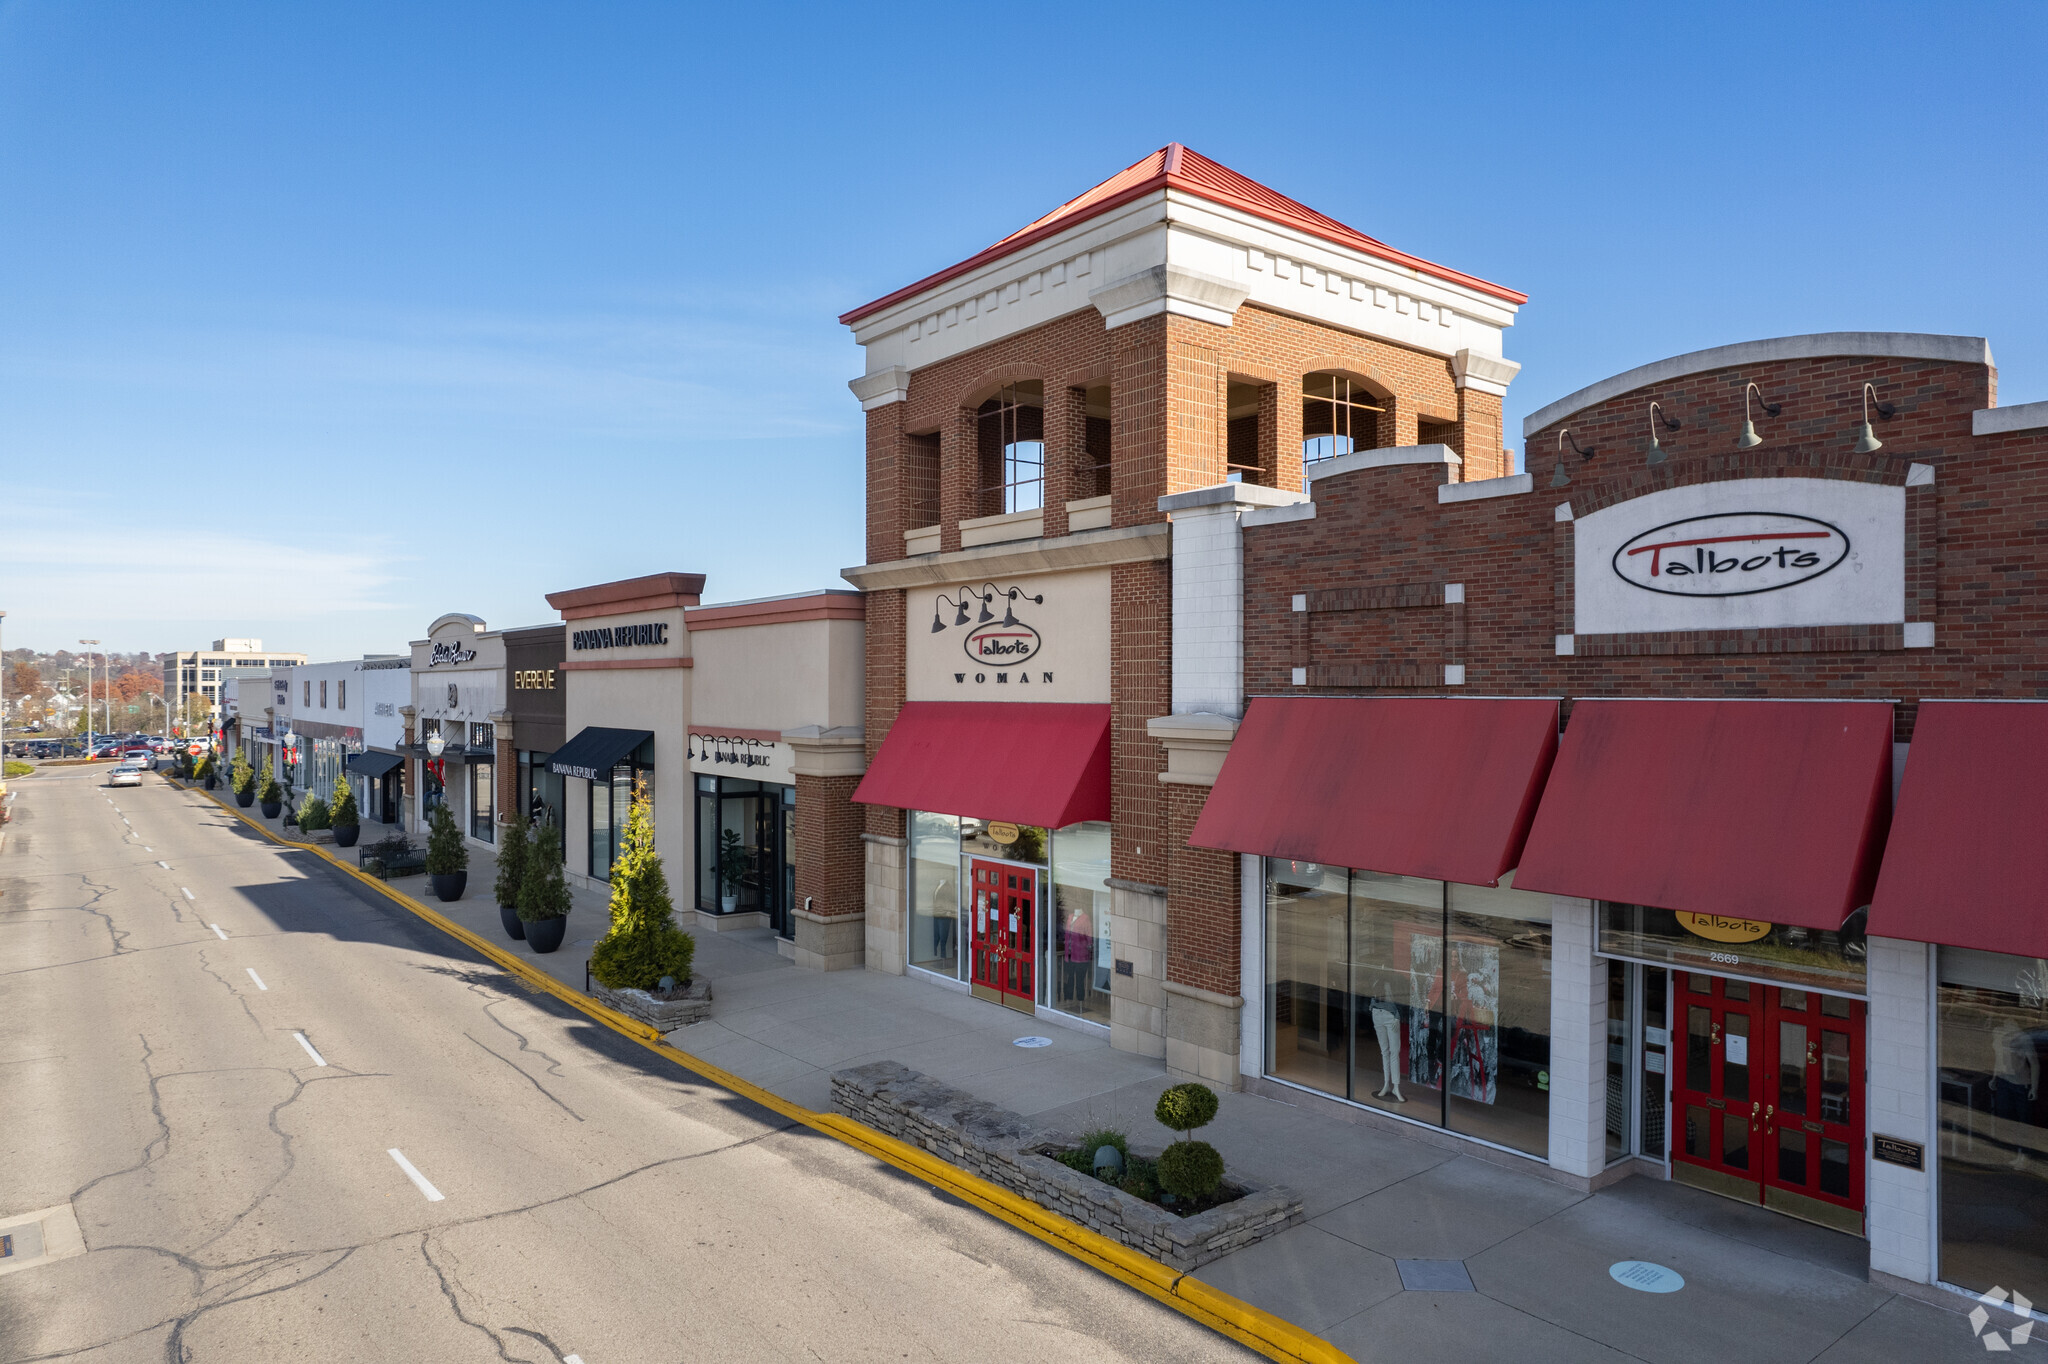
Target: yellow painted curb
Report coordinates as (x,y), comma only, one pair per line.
(1253,1327)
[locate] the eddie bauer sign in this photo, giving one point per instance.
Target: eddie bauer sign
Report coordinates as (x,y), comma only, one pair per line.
(1752,553)
(449,653)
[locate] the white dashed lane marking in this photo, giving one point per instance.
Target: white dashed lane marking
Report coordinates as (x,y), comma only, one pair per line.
(165,865)
(433,1194)
(253,976)
(217,933)
(318,1059)
(188,892)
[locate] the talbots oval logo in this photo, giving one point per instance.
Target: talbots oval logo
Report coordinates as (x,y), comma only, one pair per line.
(1721,928)
(1000,642)
(1730,554)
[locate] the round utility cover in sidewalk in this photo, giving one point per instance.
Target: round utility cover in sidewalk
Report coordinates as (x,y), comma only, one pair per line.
(1645,1277)
(1032,1042)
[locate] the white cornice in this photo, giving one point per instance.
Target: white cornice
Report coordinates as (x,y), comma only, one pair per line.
(1168,289)
(1486,373)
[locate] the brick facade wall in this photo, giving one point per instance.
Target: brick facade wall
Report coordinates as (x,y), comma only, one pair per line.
(1203,945)
(829,865)
(884,694)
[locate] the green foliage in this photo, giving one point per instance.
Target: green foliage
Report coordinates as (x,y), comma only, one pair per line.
(1141,1179)
(543,894)
(342,812)
(314,814)
(644,943)
(267,789)
(17,768)
(1030,844)
(1185,1107)
(733,862)
(446,854)
(513,856)
(1190,1169)
(1094,1141)
(240,777)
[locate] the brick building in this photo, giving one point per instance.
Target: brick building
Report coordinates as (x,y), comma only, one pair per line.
(1672,808)
(1178,327)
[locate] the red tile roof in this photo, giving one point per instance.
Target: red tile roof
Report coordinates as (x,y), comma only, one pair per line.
(1175,167)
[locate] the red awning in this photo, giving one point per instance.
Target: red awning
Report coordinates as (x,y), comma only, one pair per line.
(1967,863)
(1027,762)
(1442,787)
(1771,810)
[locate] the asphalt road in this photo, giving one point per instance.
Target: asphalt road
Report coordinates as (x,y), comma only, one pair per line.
(167,980)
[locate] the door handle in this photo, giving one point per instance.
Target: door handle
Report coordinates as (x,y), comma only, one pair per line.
(1752,1115)
(1812,1052)
(1716,1040)
(1770,1112)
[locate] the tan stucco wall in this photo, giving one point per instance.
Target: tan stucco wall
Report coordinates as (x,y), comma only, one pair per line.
(779,676)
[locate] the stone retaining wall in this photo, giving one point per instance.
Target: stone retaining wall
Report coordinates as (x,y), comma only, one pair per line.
(665,1015)
(1002,1147)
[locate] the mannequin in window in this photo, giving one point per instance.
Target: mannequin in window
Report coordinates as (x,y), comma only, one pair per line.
(945,914)
(1386,1013)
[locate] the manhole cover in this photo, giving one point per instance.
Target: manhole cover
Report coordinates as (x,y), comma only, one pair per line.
(1645,1277)
(1032,1042)
(1435,1276)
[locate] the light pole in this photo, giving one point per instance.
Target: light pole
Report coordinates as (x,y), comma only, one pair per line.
(89,744)
(3,687)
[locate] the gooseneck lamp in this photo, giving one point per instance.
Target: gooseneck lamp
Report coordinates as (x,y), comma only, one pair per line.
(1560,477)
(1658,454)
(1869,443)
(1749,437)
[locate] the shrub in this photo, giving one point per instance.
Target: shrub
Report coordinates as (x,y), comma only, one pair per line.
(266,784)
(17,768)
(314,814)
(543,894)
(1094,1141)
(202,767)
(644,943)
(1185,1107)
(446,854)
(342,813)
(512,859)
(1141,1180)
(240,777)
(1190,1169)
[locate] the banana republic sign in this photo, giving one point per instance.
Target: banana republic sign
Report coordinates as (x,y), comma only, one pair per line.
(1036,639)
(620,636)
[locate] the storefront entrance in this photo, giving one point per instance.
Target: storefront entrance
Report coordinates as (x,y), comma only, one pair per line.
(1769,1097)
(1003,959)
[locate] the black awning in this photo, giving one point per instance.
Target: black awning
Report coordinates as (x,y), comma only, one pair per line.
(593,753)
(372,764)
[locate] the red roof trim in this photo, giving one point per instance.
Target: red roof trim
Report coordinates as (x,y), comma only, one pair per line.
(1175,167)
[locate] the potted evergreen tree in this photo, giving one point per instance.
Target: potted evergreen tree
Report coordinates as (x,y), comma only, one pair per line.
(206,772)
(242,780)
(543,894)
(732,869)
(644,952)
(513,855)
(347,820)
(447,858)
(314,816)
(268,794)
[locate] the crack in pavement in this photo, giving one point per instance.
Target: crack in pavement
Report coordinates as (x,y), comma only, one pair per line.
(554,1066)
(240,997)
(174,1344)
(99,893)
(448,1290)
(524,1076)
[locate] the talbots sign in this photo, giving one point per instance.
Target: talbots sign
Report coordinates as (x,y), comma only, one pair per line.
(1039,638)
(1721,928)
(1731,554)
(1742,554)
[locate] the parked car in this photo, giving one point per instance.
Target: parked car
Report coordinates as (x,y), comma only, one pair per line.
(125,775)
(144,758)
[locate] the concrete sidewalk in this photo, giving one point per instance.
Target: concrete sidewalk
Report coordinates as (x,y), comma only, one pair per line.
(1383,1208)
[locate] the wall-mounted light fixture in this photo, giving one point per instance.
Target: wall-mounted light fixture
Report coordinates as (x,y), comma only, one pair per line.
(1749,436)
(1657,452)
(1868,442)
(938,620)
(1560,477)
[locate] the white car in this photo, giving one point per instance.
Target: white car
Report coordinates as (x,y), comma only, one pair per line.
(125,775)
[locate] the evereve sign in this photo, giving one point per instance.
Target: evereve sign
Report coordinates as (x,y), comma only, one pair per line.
(1754,553)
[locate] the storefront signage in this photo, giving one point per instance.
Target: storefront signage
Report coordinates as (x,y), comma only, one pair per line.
(620,636)
(1721,928)
(1893,1151)
(740,752)
(1011,642)
(1730,554)
(1741,554)
(384,708)
(1041,638)
(533,679)
(449,653)
(1000,832)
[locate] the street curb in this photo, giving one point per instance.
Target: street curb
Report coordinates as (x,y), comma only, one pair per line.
(1250,1326)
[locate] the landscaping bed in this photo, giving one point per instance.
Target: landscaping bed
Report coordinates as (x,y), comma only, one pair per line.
(663,1010)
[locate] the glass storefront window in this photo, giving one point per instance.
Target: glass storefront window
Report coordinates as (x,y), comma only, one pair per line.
(482,800)
(610,802)
(935,892)
(1810,957)
(761,821)
(1080,921)
(1009,842)
(540,791)
(1992,1049)
(1388,992)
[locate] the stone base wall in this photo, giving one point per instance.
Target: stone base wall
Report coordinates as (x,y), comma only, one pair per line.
(888,941)
(1202,1035)
(838,943)
(1002,1147)
(664,1014)
(1137,1001)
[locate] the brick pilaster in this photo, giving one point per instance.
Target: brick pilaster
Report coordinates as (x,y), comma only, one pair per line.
(1066,447)
(885,670)
(830,867)
(959,477)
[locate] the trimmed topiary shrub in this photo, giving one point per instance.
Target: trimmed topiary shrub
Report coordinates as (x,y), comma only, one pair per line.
(513,855)
(543,894)
(1188,1168)
(644,943)
(446,854)
(342,813)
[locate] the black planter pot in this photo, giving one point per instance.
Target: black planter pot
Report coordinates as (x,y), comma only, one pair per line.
(514,929)
(211,782)
(271,807)
(245,799)
(345,835)
(449,885)
(545,935)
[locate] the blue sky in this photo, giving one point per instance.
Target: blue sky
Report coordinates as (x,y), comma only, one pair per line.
(405,309)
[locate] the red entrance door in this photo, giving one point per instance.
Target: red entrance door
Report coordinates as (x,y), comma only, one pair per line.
(1003,933)
(1770,1097)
